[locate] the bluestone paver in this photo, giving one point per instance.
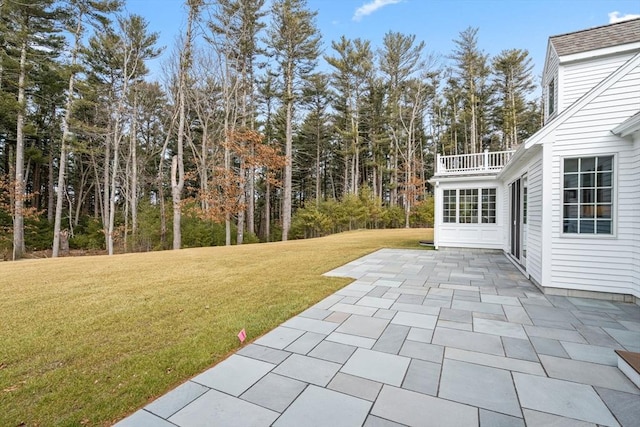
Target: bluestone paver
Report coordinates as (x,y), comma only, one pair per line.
(234,375)
(497,327)
(563,398)
(515,365)
(449,337)
(495,419)
(392,339)
(423,377)
(414,409)
(422,351)
(274,392)
(369,301)
(625,406)
(355,386)
(363,326)
(588,373)
(279,338)
(305,343)
(629,339)
(424,321)
(420,335)
(321,407)
(377,366)
(308,369)
(143,418)
(373,421)
(549,347)
(480,386)
(468,341)
(542,419)
(332,351)
(176,399)
(266,354)
(352,340)
(591,353)
(218,408)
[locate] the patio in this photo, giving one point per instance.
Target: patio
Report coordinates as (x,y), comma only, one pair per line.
(446,338)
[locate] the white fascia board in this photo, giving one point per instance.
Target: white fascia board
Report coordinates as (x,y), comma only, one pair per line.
(629,126)
(436,180)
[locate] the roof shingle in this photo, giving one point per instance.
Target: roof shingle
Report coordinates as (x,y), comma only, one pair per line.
(597,38)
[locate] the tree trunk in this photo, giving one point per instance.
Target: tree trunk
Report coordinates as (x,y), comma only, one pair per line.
(267,208)
(112,195)
(286,204)
(50,191)
(175,198)
(63,144)
(133,144)
(18,218)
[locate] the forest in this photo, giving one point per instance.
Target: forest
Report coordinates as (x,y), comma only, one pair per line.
(257,130)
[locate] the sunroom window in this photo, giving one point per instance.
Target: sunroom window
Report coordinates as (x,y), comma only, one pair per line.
(588,195)
(469,206)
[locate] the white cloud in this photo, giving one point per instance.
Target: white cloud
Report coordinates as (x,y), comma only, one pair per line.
(372,6)
(617,17)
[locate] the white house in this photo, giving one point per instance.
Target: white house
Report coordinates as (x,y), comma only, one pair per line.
(565,206)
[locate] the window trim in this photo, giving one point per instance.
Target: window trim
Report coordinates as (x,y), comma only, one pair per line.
(551,97)
(614,200)
(479,209)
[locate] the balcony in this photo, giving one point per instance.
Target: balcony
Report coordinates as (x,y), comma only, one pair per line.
(472,164)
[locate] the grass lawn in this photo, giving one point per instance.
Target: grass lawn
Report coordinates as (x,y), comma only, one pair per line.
(88,340)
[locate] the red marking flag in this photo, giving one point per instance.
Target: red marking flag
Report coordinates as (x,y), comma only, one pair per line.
(242,335)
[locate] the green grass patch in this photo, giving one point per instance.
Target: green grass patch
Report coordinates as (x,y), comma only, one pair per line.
(89,340)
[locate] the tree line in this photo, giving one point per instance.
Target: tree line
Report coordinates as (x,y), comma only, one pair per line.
(254,127)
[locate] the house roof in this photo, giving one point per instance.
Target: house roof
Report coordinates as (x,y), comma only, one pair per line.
(629,126)
(620,33)
(541,134)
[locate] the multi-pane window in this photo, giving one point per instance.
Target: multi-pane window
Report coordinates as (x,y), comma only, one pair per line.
(488,205)
(469,206)
(551,97)
(588,195)
(449,206)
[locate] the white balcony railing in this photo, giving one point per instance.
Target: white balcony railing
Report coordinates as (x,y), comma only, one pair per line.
(462,164)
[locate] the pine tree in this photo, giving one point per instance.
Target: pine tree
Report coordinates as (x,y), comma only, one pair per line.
(513,82)
(32,37)
(294,41)
(81,14)
(472,70)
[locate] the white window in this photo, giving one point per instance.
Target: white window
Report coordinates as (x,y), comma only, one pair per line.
(449,206)
(551,97)
(469,206)
(588,195)
(488,205)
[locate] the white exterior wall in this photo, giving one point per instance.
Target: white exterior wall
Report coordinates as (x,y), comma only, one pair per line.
(535,207)
(580,77)
(599,263)
(484,236)
(635,160)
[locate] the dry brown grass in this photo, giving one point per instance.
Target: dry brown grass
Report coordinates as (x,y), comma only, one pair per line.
(89,340)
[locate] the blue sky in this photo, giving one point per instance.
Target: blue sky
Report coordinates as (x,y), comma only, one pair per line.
(503,24)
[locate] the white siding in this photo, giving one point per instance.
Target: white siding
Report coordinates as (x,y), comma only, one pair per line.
(605,264)
(580,77)
(535,206)
(485,236)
